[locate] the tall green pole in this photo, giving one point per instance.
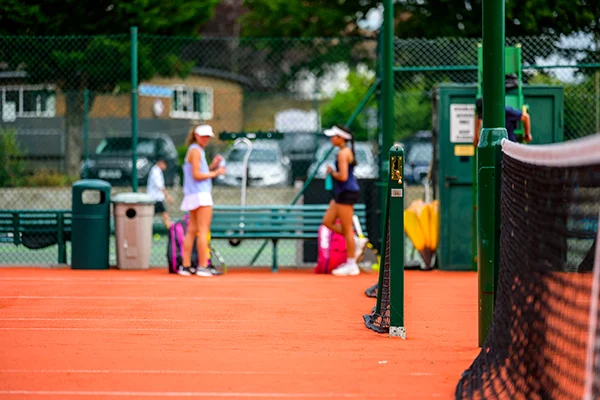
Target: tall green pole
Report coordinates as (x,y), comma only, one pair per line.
(386,136)
(488,160)
(86,111)
(388,81)
(387,103)
(134,107)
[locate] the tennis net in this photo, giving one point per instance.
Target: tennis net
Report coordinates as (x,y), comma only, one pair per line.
(544,339)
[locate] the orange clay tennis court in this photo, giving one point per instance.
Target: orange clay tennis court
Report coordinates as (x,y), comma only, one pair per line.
(249,334)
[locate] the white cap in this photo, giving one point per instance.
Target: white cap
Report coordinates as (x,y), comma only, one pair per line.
(335,131)
(204,130)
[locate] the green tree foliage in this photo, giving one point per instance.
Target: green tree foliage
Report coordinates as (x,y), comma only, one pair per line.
(12,167)
(321,33)
(100,17)
(303,18)
(97,63)
(417,18)
(344,102)
(412,111)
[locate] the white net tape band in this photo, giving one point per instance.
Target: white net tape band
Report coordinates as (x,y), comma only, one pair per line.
(574,153)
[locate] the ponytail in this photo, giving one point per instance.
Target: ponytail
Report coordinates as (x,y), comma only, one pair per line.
(191,137)
(347,130)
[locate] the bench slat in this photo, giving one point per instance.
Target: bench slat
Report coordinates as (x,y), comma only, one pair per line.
(280,209)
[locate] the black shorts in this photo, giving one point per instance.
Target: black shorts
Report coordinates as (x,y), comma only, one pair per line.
(349,198)
(159,207)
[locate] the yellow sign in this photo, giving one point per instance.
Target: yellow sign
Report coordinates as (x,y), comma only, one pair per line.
(464,150)
(397,169)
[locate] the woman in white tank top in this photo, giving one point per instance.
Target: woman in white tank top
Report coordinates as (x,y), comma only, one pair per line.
(197,199)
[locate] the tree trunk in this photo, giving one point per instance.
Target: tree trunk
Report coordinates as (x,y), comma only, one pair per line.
(74,131)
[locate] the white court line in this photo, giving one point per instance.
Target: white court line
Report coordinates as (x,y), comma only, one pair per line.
(150,280)
(182,329)
(160,298)
(196,394)
(130,319)
(191,372)
(227,320)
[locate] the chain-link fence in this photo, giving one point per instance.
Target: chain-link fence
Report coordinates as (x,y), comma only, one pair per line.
(66,114)
(573,63)
(421,64)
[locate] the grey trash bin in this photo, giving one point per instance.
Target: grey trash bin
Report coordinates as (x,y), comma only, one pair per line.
(134,214)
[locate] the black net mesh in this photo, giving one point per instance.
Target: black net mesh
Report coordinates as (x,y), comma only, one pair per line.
(537,344)
(379,319)
(371,291)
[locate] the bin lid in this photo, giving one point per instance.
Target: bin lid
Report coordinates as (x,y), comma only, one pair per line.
(97,184)
(133,198)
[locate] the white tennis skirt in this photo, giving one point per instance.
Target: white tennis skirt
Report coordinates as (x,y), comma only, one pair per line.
(192,201)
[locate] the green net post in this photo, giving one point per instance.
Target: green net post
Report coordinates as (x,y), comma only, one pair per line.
(396,239)
(488,222)
(488,159)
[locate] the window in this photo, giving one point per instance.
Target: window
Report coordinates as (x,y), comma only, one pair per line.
(27,102)
(192,103)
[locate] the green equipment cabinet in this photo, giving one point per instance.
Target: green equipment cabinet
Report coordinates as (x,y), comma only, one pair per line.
(454,160)
(91,224)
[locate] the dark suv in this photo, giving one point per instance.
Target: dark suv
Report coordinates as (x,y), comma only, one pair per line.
(300,148)
(418,155)
(112,159)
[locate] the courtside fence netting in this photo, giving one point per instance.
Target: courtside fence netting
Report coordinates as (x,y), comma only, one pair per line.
(66,114)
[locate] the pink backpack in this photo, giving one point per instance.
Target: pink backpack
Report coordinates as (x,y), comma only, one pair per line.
(175,245)
(332,250)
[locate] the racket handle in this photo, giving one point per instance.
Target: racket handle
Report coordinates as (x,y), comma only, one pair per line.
(357,226)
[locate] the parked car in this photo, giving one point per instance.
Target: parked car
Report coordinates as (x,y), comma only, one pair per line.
(300,148)
(366,167)
(112,159)
(267,166)
(418,155)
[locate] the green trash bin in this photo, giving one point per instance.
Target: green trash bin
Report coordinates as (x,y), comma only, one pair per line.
(90,231)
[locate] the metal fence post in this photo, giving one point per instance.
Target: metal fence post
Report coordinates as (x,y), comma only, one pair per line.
(86,111)
(134,101)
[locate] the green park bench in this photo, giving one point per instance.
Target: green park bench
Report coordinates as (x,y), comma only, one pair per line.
(37,229)
(40,228)
(270,222)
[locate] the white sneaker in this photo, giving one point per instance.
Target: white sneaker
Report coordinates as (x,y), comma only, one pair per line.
(202,271)
(185,271)
(360,244)
(346,270)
